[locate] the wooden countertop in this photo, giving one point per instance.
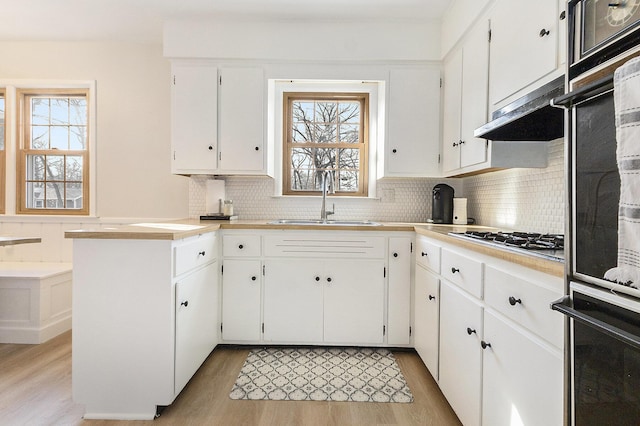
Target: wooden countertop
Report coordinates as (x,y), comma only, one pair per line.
(12,241)
(439,232)
(175,230)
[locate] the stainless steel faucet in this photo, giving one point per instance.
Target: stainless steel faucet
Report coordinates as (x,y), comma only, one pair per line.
(327,186)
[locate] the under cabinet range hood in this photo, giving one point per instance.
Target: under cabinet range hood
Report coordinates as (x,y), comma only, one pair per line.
(529,118)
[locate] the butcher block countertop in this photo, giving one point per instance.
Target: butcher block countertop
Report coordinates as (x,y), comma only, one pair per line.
(175,230)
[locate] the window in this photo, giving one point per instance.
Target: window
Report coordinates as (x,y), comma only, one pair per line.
(53,153)
(325,132)
(3,157)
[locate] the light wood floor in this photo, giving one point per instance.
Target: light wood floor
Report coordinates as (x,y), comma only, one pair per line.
(35,389)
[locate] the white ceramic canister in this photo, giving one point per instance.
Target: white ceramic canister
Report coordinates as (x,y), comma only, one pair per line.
(459,211)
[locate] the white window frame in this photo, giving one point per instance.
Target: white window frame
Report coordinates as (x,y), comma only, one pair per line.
(277,88)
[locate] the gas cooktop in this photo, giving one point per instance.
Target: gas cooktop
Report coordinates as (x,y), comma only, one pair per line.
(549,246)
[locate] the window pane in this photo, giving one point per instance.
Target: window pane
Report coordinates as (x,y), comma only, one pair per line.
(59,137)
(54,195)
(35,167)
(77,137)
(349,112)
(73,196)
(347,181)
(349,133)
(349,159)
(326,112)
(54,167)
(325,133)
(302,179)
(40,137)
(35,195)
(73,170)
(40,111)
(302,132)
(59,111)
(78,111)
(303,111)
(325,158)
(302,158)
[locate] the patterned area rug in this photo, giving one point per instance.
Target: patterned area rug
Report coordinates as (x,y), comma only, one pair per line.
(321,374)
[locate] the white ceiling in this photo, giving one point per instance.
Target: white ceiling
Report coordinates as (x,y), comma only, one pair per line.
(141,20)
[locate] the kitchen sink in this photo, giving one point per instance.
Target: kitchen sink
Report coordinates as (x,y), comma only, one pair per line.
(324,222)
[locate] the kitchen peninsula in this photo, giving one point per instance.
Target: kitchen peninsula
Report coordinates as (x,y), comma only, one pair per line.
(151,301)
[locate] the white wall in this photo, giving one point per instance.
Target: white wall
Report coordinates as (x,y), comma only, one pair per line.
(133,121)
(303,41)
(133,137)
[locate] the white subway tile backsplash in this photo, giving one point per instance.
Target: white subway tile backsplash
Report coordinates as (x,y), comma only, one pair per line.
(524,199)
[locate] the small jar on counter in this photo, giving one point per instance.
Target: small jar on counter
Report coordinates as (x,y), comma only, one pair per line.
(227,208)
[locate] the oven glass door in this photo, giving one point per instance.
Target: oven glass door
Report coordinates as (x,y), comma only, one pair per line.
(603,20)
(606,363)
(596,186)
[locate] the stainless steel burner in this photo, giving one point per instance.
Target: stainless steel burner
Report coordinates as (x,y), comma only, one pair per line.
(545,245)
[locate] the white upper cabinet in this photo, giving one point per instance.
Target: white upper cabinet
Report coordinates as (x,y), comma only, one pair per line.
(412,148)
(194,116)
(241,126)
(465,101)
(217,119)
(524,45)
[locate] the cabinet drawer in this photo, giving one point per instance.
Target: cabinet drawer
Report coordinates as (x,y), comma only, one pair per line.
(463,271)
(193,252)
(241,245)
(524,302)
(428,254)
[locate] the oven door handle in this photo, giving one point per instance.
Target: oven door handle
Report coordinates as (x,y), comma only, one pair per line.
(585,92)
(565,307)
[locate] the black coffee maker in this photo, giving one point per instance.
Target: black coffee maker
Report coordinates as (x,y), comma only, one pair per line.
(442,204)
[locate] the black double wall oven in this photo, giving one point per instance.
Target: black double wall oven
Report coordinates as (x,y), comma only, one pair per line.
(603,357)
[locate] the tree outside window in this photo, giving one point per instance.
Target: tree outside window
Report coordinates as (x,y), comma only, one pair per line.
(325,132)
(53,158)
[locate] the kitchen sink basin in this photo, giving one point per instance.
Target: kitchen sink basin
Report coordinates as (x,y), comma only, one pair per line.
(324,222)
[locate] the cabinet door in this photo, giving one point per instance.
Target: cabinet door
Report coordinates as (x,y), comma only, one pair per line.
(196,322)
(522,379)
(427,318)
(521,49)
(293,306)
(399,305)
(451,118)
(194,114)
(413,145)
(354,302)
(242,120)
(241,300)
(473,109)
(460,353)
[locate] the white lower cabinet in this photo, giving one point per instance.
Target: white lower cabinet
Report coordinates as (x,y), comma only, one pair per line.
(522,377)
(241,297)
(311,301)
(145,317)
(399,306)
(500,345)
(196,321)
(460,377)
(426,300)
